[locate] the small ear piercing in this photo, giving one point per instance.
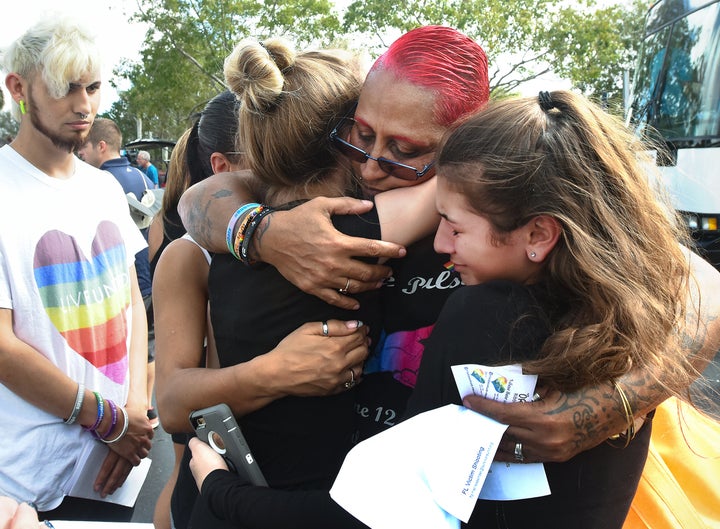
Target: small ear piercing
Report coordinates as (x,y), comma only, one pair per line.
(533,255)
(23,110)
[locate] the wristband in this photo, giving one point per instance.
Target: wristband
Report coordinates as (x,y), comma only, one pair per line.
(122,432)
(79,397)
(231,225)
(113,422)
(100,412)
(240,236)
(247,240)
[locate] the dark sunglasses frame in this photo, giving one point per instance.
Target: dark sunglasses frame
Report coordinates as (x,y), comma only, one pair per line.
(356,154)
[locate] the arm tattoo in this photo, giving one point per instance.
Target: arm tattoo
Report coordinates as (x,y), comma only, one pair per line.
(200,224)
(589,415)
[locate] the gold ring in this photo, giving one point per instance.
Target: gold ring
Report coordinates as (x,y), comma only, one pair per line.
(347,286)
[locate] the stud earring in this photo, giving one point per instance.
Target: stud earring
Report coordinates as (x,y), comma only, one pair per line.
(23,110)
(533,255)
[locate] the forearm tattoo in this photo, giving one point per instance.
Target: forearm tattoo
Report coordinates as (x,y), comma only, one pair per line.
(199,222)
(598,412)
(591,413)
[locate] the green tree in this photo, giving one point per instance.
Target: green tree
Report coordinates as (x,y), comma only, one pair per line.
(594,50)
(506,30)
(182,56)
(526,38)
(8,127)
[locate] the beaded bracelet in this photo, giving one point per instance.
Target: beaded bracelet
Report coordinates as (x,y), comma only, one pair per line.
(242,210)
(122,432)
(79,397)
(100,412)
(242,231)
(113,422)
(247,240)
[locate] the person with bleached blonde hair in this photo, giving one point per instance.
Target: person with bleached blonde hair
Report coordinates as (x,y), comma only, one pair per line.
(73,331)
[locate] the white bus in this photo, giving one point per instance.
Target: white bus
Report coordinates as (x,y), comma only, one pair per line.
(676,91)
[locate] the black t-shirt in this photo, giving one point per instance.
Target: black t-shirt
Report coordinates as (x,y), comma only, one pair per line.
(411,302)
(497,323)
(298,442)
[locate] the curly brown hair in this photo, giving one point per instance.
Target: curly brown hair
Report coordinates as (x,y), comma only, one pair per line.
(619,262)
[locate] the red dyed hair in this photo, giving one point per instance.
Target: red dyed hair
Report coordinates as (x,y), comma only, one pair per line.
(443,60)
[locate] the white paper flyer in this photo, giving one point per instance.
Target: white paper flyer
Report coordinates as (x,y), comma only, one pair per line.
(84,478)
(429,471)
(505,481)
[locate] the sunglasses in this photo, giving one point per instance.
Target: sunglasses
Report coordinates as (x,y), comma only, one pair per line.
(356,154)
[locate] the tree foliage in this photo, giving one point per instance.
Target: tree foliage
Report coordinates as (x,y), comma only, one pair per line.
(8,127)
(505,30)
(183,52)
(593,51)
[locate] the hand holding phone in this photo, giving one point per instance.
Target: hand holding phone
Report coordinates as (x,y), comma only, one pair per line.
(217,427)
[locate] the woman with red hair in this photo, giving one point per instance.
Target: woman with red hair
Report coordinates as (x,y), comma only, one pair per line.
(409,99)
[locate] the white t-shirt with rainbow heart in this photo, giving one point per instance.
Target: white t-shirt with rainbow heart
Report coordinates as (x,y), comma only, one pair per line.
(66,247)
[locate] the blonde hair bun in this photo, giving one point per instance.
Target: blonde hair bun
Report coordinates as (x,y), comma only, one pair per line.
(254,71)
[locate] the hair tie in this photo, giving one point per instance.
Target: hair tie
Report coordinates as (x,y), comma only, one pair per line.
(545,100)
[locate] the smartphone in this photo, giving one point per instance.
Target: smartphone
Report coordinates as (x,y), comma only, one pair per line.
(217,427)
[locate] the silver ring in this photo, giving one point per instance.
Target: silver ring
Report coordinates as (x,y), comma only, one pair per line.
(325,329)
(536,397)
(350,383)
(345,290)
(518,453)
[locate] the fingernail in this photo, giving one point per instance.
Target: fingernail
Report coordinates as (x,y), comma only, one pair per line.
(354,324)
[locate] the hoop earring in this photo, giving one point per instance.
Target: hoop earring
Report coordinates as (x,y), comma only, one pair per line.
(23,109)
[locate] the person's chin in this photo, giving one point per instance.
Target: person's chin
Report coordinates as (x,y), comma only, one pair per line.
(465,276)
(369,192)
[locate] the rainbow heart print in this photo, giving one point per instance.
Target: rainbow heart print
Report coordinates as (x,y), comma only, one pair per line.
(87,299)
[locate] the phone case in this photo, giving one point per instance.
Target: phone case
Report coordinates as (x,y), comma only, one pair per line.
(217,427)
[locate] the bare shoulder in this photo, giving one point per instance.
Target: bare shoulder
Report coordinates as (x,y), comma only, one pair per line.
(180,257)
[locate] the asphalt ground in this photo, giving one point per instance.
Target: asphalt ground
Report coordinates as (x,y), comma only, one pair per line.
(162,457)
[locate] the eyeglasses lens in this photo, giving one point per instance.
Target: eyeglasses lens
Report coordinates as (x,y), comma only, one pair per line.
(356,154)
